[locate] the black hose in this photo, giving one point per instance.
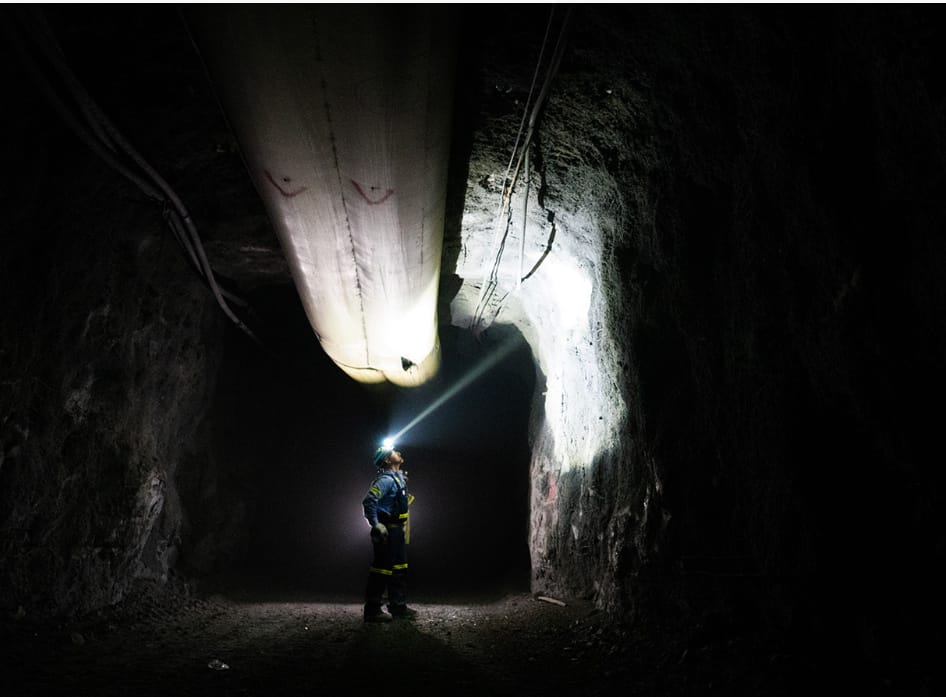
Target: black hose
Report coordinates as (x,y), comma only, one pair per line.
(104,142)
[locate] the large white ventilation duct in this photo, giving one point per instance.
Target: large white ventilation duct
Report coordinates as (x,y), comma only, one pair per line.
(343,117)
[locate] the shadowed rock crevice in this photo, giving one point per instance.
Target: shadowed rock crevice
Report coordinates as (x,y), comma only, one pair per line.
(721,422)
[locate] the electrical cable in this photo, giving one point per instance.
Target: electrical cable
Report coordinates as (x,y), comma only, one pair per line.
(525,220)
(49,39)
(108,143)
(72,123)
(196,249)
(488,280)
(491,278)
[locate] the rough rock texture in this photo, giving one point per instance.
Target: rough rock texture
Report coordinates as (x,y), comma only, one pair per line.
(254,642)
(110,349)
(731,287)
(106,376)
(744,205)
(596,513)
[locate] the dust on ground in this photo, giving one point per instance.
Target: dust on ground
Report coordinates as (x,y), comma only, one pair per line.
(252,642)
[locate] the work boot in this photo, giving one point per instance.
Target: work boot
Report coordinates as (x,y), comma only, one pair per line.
(376,615)
(402,612)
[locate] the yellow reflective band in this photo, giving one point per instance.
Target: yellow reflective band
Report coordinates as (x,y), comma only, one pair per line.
(403,516)
(383,572)
(399,567)
(410,499)
(374,490)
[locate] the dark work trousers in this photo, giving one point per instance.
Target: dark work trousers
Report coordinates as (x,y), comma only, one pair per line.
(388,571)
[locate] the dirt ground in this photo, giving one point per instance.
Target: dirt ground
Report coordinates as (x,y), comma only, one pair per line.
(289,644)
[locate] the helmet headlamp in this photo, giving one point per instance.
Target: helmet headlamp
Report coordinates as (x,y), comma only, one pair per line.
(385,449)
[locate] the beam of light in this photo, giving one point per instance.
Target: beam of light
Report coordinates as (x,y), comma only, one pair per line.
(488,361)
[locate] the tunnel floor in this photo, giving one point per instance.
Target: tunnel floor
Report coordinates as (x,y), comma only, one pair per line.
(283,642)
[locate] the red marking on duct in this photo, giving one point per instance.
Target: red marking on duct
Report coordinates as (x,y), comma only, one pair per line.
(387,193)
(287,194)
(553,489)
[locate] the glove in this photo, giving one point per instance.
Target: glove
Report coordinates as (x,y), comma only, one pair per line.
(379,533)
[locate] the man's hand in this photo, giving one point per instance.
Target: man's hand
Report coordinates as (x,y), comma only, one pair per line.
(379,533)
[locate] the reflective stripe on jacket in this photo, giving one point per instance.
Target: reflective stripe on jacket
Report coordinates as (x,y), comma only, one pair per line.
(387,499)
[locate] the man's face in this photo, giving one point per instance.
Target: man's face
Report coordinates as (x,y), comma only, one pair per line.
(395,459)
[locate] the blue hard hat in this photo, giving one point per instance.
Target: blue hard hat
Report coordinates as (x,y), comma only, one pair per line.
(381,453)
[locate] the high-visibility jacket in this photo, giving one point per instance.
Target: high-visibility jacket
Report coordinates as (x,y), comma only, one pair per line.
(387,500)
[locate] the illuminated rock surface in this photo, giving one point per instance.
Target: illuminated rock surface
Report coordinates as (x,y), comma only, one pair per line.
(733,316)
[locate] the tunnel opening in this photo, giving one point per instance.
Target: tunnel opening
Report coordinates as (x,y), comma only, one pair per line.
(291,440)
(775,465)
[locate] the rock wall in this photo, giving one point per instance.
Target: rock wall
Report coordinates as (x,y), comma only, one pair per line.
(729,278)
(596,515)
(114,472)
(109,348)
(736,316)
(106,376)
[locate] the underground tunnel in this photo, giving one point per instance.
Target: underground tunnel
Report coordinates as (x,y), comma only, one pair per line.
(302,439)
(668,299)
